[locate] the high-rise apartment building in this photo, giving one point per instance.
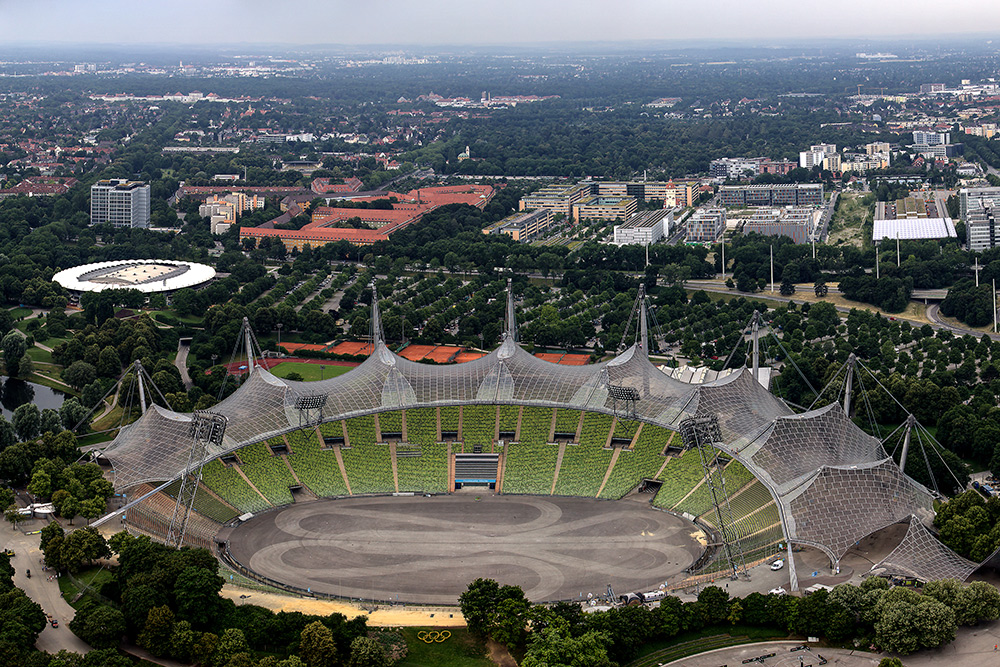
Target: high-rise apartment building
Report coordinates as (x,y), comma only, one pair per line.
(120,203)
(925,138)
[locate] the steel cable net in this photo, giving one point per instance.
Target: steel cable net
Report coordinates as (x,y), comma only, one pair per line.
(153,448)
(795,446)
(840,505)
(920,555)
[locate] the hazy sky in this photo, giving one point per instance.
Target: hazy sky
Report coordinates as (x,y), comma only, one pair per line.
(212,22)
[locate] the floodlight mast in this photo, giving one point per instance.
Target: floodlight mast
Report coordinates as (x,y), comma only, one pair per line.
(206,428)
(703,433)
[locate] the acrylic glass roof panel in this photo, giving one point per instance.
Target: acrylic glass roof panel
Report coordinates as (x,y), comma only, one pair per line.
(744,407)
(156,447)
(922,556)
(798,445)
(256,410)
(841,505)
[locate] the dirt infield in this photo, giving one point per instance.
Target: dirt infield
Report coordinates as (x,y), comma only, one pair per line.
(427,550)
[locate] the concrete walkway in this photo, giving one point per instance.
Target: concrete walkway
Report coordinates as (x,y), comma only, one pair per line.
(180,361)
(27,556)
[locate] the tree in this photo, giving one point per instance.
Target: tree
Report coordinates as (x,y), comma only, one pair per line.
(196,591)
(552,648)
(367,652)
(71,413)
(820,287)
(979,601)
(182,641)
(79,374)
(477,604)
(49,421)
(787,287)
(908,621)
(155,636)
(316,646)
(232,642)
(25,367)
(26,421)
(14,346)
(98,625)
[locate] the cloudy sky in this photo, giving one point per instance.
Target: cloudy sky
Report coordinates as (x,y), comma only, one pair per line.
(214,22)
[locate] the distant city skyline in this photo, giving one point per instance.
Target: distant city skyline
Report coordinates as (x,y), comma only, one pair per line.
(460,22)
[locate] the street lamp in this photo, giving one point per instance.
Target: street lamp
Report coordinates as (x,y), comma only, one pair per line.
(279,336)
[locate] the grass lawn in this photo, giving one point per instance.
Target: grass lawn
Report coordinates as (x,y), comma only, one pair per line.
(94,438)
(19,312)
(38,355)
(459,650)
(309,372)
(94,578)
(187,319)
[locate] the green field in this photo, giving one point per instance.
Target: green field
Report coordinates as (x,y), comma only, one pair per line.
(459,650)
(309,372)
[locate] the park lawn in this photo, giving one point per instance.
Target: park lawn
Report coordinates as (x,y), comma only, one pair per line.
(94,438)
(38,355)
(309,372)
(187,319)
(94,577)
(19,312)
(692,643)
(459,650)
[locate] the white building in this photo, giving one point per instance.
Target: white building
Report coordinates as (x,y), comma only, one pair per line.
(816,154)
(120,203)
(922,137)
(644,228)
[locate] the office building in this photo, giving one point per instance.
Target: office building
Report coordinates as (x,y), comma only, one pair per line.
(706,225)
(672,194)
(522,227)
(120,203)
(747,167)
(931,88)
(605,208)
(801,194)
(939,150)
(981,228)
(927,138)
(555,198)
(644,228)
(973,199)
(795,223)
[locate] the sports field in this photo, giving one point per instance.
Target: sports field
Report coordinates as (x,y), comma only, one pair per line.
(309,372)
(427,550)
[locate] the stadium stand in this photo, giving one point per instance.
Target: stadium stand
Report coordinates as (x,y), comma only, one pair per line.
(449,421)
(567,421)
(227,484)
(267,472)
(478,423)
(361,430)
(368,467)
(422,468)
(153,516)
(529,469)
(421,426)
(316,467)
(205,503)
(390,422)
(679,477)
(584,465)
(642,462)
(700,500)
(535,426)
(508,420)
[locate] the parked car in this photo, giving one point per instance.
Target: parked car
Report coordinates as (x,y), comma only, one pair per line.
(777,591)
(778,564)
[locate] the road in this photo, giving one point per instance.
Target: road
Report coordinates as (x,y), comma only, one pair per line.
(181,362)
(932,310)
(46,593)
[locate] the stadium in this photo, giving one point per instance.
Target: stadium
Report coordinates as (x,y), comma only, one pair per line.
(356,486)
(146,275)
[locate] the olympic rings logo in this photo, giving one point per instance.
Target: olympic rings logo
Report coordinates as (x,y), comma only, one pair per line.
(431,636)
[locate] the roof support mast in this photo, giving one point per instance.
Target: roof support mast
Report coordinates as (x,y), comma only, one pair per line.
(510,328)
(755,335)
(848,382)
(911,421)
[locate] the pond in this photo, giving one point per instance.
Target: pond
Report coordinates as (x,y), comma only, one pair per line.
(16,393)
